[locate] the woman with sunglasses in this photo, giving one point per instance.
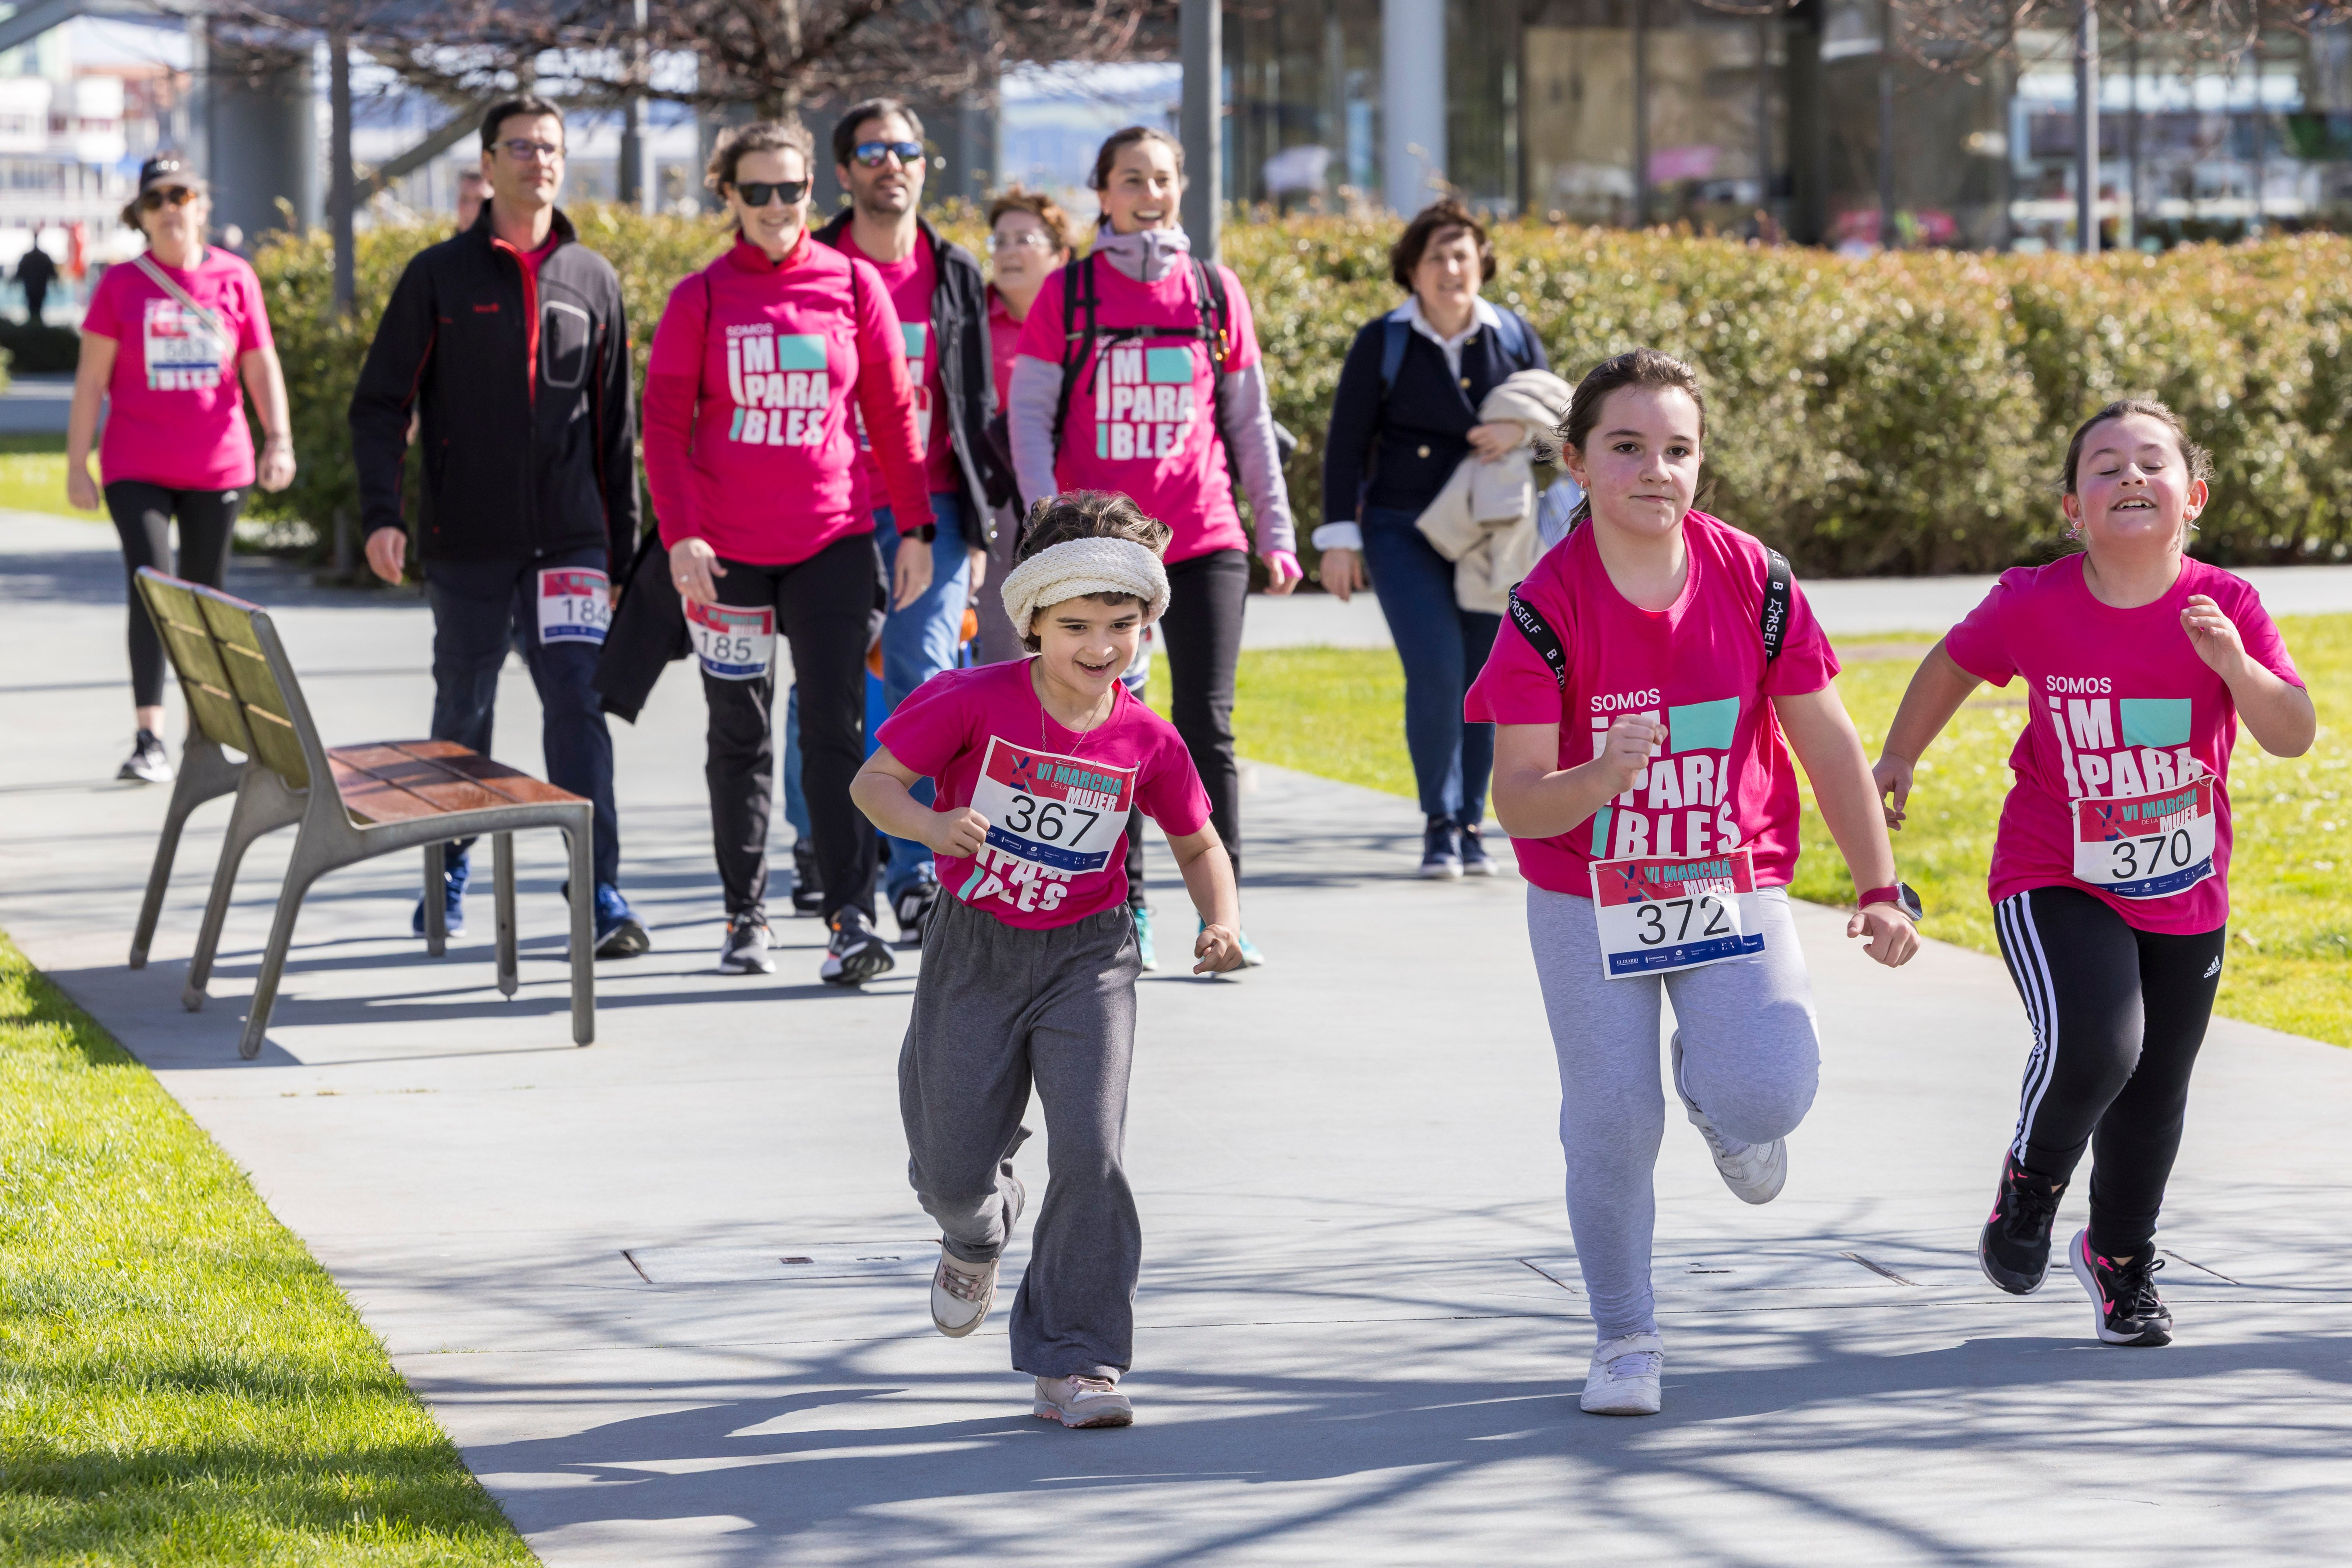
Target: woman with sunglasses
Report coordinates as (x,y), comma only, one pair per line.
(1139,371)
(165,344)
(751,457)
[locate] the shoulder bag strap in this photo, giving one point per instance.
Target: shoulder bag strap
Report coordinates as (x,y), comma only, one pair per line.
(162,279)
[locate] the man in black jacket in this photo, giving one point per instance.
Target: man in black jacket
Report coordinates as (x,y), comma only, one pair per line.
(878,151)
(510,345)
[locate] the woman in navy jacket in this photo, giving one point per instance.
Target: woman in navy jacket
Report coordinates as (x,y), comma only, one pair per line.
(1405,416)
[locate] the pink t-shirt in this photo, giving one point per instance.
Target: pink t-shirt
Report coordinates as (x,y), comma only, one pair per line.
(911,283)
(1004,341)
(2118,705)
(1724,780)
(1056,801)
(175,415)
(748,442)
(1143,413)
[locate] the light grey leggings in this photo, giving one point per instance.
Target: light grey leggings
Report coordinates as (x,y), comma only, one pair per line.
(1751,1060)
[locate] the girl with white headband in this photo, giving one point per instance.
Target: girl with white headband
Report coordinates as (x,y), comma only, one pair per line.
(1030,959)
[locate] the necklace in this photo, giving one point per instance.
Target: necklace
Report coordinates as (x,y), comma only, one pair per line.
(1110,704)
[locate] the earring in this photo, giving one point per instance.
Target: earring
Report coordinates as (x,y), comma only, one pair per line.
(2074,533)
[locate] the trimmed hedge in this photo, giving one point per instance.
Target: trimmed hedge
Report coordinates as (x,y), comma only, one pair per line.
(1901,414)
(40,350)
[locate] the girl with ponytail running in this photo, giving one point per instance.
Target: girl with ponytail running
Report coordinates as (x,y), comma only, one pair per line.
(1658,667)
(2110,870)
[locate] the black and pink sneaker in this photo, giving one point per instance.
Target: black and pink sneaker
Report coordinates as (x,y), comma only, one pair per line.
(2014,1247)
(2124,1290)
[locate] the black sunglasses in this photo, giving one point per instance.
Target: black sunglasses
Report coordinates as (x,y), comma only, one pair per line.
(871,153)
(153,201)
(759,193)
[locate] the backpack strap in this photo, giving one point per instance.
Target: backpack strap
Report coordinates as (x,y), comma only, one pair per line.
(1539,636)
(1394,335)
(1511,337)
(1078,300)
(1217,320)
(1772,620)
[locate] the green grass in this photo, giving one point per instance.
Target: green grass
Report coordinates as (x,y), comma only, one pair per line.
(179,1381)
(33,477)
(1339,712)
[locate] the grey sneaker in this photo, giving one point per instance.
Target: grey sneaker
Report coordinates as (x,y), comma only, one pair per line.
(1754,1172)
(1624,1377)
(149,762)
(745,948)
(1082,1402)
(962,1294)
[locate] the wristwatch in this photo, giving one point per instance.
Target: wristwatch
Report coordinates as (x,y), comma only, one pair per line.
(1901,895)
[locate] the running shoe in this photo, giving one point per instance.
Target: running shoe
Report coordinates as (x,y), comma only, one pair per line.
(2014,1250)
(1475,862)
(1142,916)
(913,907)
(1754,1172)
(961,1293)
(454,873)
(744,950)
(808,892)
(1624,1377)
(149,762)
(856,953)
(1082,1402)
(619,932)
(2123,1291)
(1441,854)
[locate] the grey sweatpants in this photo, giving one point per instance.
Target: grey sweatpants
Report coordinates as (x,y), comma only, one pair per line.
(1751,1058)
(996,1009)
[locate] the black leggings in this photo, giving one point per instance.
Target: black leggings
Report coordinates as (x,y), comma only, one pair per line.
(823,608)
(2117,1015)
(142,516)
(1202,631)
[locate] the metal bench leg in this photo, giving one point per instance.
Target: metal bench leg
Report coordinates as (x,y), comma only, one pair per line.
(299,877)
(583,935)
(159,878)
(262,806)
(503,876)
(436,899)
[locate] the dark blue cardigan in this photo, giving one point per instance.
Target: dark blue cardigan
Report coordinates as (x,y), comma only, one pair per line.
(1411,447)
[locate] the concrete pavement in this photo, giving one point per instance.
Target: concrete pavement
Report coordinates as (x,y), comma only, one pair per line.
(1362,1333)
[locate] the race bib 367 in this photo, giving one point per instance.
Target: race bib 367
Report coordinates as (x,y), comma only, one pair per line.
(1051,818)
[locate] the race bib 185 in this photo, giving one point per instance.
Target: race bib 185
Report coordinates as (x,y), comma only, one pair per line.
(1657,915)
(1050,818)
(2146,845)
(732,644)
(576,604)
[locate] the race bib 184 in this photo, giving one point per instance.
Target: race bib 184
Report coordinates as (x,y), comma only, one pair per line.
(1657,915)
(576,604)
(1050,818)
(732,644)
(2146,845)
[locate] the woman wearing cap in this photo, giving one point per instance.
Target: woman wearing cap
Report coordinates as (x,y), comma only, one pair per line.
(166,342)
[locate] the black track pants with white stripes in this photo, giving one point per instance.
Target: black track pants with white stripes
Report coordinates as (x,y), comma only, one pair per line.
(2117,1017)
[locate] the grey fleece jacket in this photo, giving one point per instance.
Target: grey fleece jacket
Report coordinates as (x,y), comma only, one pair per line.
(1244,413)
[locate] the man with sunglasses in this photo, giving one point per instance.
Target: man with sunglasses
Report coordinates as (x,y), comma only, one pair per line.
(511,346)
(878,153)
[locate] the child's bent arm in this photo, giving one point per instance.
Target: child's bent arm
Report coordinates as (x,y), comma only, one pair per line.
(1535,797)
(1938,688)
(882,791)
(1824,740)
(1209,878)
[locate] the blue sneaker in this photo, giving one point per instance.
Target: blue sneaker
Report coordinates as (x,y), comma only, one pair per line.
(1142,918)
(454,875)
(619,932)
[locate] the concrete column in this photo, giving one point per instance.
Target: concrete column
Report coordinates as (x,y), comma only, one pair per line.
(1200,33)
(1412,100)
(261,139)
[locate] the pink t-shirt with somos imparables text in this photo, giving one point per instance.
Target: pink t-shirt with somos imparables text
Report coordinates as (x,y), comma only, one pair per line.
(1723,779)
(175,411)
(911,283)
(2118,705)
(1143,411)
(1056,801)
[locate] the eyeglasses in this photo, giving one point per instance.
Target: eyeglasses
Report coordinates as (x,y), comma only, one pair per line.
(175,195)
(1026,239)
(523,149)
(759,193)
(871,153)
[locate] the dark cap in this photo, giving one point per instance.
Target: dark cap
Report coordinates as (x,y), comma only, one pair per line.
(168,168)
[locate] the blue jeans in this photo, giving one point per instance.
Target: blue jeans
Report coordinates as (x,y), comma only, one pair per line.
(920,641)
(476,606)
(1442,647)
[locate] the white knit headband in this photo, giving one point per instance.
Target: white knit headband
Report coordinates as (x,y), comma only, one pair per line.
(1078,566)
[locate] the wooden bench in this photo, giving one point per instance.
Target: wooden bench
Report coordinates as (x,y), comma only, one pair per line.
(380,798)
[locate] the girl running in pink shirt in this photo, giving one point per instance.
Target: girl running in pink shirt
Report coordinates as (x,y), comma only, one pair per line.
(752,456)
(1658,667)
(2110,872)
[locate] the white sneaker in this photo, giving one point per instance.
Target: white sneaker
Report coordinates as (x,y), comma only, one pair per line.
(1082,1402)
(1754,1172)
(962,1294)
(1624,1377)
